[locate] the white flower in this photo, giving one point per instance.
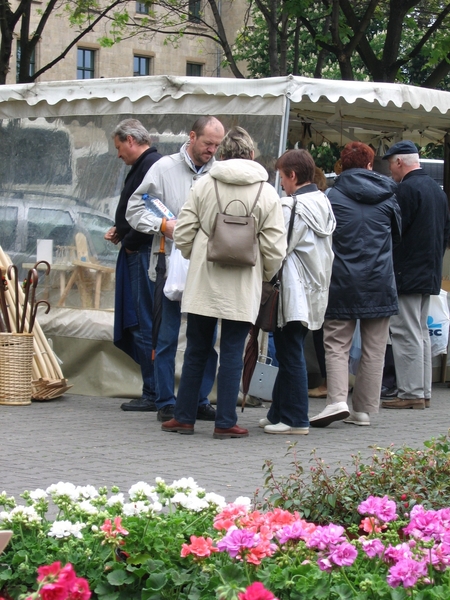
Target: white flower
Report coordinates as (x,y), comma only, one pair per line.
(62,529)
(87,491)
(87,507)
(94,528)
(116,499)
(190,501)
(243,501)
(133,509)
(142,490)
(159,480)
(63,489)
(185,483)
(21,514)
(38,494)
(216,499)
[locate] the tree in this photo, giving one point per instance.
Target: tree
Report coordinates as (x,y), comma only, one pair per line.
(381,40)
(83,16)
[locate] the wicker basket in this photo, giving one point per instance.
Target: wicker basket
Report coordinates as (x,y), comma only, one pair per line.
(16,360)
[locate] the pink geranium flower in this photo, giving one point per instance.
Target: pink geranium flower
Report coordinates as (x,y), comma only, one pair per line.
(373,547)
(382,508)
(406,572)
(372,525)
(343,555)
(256,591)
(325,536)
(200,547)
(112,531)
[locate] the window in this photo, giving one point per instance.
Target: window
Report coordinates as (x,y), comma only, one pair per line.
(85,63)
(32,68)
(194,69)
(194,11)
(141,65)
(142,8)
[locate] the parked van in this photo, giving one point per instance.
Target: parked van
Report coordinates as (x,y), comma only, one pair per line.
(23,222)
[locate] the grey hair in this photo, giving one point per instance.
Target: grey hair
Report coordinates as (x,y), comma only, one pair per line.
(134,128)
(237,143)
(409,160)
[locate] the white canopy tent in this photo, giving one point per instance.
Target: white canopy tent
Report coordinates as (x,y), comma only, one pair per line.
(57,158)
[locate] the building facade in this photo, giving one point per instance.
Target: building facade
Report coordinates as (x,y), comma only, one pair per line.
(144,54)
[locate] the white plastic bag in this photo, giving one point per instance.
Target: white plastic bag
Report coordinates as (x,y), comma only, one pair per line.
(438,322)
(176,276)
(355,350)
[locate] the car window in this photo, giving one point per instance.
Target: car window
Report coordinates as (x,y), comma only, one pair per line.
(8,226)
(49,224)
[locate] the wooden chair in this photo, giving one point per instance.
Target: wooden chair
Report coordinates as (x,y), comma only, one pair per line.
(84,267)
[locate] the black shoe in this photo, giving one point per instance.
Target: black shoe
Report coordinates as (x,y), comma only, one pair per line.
(205,412)
(140,404)
(388,392)
(165,413)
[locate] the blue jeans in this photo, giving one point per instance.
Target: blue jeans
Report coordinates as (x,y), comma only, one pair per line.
(200,333)
(290,392)
(142,292)
(166,350)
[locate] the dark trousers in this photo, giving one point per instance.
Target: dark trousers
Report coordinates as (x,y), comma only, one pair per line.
(199,337)
(290,392)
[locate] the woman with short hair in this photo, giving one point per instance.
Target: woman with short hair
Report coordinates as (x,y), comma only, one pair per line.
(368,221)
(304,289)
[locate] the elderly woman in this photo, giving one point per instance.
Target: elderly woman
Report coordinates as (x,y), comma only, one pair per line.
(362,285)
(304,289)
(230,293)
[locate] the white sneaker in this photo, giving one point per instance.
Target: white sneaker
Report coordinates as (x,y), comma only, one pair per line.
(331,413)
(264,422)
(358,418)
(286,429)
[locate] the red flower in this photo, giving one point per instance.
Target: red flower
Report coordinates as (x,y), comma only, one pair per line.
(256,591)
(50,571)
(53,591)
(79,590)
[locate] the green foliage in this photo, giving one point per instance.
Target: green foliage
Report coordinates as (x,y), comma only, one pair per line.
(406,475)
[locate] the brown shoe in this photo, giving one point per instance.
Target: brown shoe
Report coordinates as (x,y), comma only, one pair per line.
(317,393)
(427,402)
(416,403)
(176,427)
(232,432)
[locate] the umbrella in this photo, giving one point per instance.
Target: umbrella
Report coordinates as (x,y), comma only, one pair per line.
(31,280)
(158,294)
(5,325)
(12,268)
(34,311)
(250,357)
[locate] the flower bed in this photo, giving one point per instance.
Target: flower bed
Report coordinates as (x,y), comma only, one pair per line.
(179,542)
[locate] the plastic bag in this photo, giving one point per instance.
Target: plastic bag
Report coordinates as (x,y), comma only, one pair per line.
(176,276)
(355,350)
(438,322)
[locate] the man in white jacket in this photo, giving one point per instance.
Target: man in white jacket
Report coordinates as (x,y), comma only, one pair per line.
(171,182)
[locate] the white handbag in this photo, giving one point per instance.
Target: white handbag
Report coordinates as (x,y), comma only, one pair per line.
(263,378)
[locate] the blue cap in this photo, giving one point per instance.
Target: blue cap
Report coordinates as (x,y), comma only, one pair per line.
(403,147)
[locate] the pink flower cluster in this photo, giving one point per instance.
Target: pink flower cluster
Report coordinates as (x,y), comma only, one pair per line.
(252,536)
(256,591)
(410,560)
(60,583)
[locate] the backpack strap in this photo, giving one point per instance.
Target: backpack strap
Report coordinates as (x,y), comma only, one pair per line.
(253,205)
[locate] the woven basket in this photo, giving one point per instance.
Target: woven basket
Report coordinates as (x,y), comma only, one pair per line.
(16,360)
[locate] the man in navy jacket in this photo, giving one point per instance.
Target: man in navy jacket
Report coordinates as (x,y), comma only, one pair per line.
(418,273)
(134,290)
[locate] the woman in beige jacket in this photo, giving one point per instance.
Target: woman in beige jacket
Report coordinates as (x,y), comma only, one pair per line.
(229,293)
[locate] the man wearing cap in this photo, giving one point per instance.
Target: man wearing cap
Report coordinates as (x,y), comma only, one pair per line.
(418,273)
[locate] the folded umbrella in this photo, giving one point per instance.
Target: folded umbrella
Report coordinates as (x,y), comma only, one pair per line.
(250,358)
(158,294)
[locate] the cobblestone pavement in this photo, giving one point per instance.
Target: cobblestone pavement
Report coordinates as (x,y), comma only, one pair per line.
(91,441)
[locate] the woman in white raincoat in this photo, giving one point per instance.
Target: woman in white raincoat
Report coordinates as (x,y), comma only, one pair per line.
(214,291)
(305,280)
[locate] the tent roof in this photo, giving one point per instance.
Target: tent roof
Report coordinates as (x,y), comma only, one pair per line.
(326,108)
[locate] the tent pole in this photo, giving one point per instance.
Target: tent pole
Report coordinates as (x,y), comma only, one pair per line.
(283,139)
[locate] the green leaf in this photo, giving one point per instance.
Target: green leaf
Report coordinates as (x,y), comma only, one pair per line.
(119,577)
(156,582)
